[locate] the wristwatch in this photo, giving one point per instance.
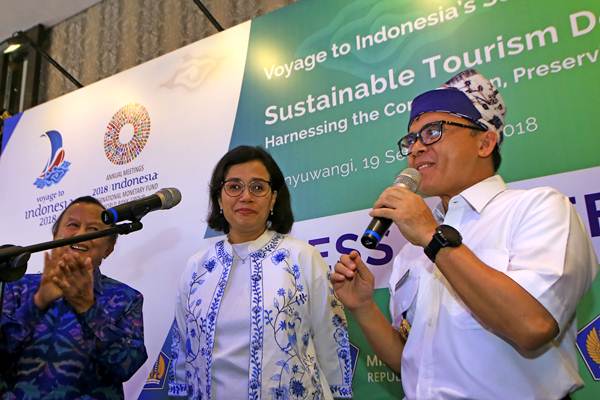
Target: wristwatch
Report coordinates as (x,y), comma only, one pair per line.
(444,236)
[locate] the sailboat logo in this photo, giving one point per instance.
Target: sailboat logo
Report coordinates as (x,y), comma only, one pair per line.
(56,167)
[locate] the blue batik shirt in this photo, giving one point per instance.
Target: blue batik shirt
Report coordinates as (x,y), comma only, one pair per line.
(59,354)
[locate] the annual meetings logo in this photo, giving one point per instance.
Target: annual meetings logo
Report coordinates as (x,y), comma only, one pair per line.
(122,153)
(56,167)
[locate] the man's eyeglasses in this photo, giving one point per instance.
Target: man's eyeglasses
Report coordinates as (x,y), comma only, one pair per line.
(257,187)
(429,134)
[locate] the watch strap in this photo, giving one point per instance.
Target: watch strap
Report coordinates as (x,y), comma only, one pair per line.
(433,248)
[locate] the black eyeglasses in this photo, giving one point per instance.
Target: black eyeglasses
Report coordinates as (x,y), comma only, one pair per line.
(257,187)
(429,134)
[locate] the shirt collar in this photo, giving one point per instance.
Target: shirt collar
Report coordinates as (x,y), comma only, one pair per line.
(254,245)
(477,196)
(261,241)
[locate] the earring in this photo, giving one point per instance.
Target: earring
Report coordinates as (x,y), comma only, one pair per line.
(220,211)
(271,211)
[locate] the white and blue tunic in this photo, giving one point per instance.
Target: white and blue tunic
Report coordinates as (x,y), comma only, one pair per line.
(259,321)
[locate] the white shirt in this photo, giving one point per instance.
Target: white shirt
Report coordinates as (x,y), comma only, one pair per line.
(231,354)
(536,238)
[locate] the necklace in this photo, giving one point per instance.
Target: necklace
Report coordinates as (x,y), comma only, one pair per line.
(235,253)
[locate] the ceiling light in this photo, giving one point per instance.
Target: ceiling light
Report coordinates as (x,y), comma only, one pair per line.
(12,47)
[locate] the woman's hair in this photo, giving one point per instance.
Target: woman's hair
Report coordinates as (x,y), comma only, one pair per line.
(282,218)
(86,200)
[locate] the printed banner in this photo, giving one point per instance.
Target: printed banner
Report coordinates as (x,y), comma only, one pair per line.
(325,86)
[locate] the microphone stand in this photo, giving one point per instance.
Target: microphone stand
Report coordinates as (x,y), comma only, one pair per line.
(13,259)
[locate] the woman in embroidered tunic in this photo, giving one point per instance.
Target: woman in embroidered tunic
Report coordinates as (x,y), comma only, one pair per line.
(256,315)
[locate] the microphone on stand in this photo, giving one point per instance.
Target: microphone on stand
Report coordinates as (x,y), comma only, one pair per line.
(136,209)
(408,179)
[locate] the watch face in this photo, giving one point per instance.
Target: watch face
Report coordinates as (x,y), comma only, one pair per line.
(451,235)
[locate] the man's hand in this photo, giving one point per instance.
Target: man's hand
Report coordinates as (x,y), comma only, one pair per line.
(409,212)
(76,280)
(352,282)
(48,290)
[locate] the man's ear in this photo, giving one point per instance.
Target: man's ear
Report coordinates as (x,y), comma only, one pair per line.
(487,143)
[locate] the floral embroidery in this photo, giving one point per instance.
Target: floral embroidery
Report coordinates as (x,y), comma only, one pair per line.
(210,264)
(256,329)
(285,319)
(257,315)
(343,351)
(209,323)
(279,256)
(194,324)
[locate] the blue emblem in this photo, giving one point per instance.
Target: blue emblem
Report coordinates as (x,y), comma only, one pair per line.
(588,344)
(56,167)
(157,377)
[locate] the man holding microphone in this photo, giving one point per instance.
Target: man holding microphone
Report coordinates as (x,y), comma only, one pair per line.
(483,296)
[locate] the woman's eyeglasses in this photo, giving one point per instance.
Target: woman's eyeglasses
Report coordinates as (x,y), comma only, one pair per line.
(256,187)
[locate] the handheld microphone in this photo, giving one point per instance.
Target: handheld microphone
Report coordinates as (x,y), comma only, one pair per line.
(408,179)
(134,210)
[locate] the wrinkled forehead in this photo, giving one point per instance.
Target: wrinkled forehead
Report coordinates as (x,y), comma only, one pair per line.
(83,211)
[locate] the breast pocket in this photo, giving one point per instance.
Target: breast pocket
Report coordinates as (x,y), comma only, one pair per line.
(461,315)
(404,286)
